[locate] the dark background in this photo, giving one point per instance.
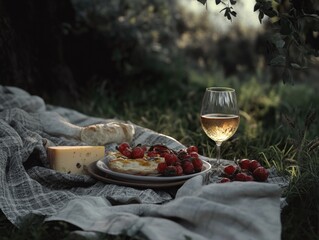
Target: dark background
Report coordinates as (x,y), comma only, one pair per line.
(64,47)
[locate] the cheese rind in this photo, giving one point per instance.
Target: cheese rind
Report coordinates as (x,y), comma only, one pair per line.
(72,159)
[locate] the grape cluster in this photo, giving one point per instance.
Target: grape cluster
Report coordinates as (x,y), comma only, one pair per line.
(245,170)
(183,162)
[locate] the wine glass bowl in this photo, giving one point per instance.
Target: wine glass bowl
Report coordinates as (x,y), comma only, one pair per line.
(219,115)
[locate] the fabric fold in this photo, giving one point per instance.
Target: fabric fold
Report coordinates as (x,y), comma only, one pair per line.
(216,211)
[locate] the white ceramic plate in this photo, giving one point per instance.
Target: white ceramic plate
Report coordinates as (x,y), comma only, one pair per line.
(102,176)
(102,165)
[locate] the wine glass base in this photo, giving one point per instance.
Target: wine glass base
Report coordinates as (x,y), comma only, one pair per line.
(215,173)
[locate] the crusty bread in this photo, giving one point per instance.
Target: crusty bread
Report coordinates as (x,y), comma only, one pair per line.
(113,132)
(140,166)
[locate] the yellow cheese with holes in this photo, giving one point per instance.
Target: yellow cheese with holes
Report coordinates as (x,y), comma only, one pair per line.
(73,159)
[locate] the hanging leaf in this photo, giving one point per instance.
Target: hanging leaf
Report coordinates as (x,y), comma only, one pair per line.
(270,12)
(261,16)
(202,1)
(233,2)
(224,9)
(256,7)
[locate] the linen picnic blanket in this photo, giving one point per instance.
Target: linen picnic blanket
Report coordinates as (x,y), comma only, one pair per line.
(28,186)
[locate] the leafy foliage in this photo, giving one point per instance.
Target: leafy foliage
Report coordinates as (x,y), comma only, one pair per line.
(228,9)
(295,24)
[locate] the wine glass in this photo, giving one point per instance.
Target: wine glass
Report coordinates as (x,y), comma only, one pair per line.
(219,116)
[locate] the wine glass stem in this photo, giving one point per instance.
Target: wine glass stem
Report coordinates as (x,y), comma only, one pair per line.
(218,144)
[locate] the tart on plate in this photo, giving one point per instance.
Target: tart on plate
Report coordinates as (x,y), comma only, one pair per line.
(143,166)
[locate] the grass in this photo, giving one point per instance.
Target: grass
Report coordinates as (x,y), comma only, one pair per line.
(278,127)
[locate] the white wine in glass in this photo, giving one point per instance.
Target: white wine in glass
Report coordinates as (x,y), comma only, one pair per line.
(219,115)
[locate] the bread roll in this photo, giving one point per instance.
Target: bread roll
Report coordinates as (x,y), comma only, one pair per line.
(112,132)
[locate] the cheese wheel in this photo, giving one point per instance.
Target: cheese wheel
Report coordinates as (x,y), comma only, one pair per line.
(72,159)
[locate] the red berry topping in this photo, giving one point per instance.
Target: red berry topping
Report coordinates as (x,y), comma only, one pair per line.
(188,167)
(160,149)
(186,157)
(198,164)
(161,167)
(127,152)
(123,146)
(144,148)
(193,154)
(181,154)
(170,171)
(170,158)
(244,164)
(224,180)
(261,174)
(137,152)
(230,170)
(249,178)
(152,154)
(178,162)
(241,177)
(179,170)
(253,165)
(192,149)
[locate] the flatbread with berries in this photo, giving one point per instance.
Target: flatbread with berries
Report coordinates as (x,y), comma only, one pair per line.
(144,166)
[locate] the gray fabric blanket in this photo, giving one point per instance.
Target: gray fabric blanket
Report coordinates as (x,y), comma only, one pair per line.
(28,186)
